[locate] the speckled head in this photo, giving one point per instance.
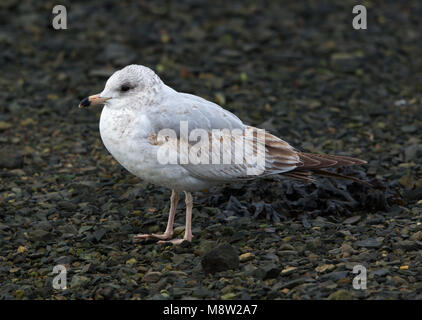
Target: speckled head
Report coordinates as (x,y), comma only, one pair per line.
(134,84)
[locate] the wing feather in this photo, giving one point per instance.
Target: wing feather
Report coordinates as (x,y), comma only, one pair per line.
(228,161)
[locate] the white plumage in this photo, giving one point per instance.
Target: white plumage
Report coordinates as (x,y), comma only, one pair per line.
(130,118)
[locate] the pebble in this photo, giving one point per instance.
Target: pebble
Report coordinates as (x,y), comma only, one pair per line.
(5,125)
(152,276)
(288,270)
(223,257)
(324,268)
(336,275)
(406,245)
(417,236)
(368,243)
(246,257)
(352,220)
(39,235)
(270,271)
(341,295)
(79,281)
(380,272)
(228,296)
(10,158)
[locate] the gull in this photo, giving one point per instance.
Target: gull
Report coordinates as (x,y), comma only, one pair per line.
(138,106)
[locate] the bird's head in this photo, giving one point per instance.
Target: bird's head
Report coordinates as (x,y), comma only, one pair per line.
(133,83)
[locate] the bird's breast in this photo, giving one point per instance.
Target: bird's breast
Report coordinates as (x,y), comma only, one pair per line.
(124,134)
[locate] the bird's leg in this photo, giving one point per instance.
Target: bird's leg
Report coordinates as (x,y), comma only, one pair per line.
(174,199)
(189,206)
(188,228)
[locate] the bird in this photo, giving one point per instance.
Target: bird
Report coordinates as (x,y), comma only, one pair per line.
(138,107)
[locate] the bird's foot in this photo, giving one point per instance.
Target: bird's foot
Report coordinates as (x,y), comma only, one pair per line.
(164,236)
(173,241)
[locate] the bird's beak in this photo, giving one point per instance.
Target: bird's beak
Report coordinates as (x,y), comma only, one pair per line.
(92,100)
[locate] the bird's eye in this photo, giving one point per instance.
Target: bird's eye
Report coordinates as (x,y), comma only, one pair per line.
(124,88)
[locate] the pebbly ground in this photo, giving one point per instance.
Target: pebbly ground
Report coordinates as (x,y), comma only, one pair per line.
(298,70)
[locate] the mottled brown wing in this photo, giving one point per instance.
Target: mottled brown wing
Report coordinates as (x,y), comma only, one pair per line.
(278,155)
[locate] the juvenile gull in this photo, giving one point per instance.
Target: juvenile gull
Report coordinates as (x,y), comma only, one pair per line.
(138,105)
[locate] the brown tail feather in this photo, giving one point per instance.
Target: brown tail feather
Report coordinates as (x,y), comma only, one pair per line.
(329,174)
(300,175)
(313,163)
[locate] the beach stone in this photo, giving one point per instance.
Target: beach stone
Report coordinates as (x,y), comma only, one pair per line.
(79,281)
(39,235)
(152,276)
(368,243)
(341,295)
(10,158)
(224,257)
(246,257)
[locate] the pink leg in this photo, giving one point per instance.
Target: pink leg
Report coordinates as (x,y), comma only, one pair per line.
(174,199)
(188,228)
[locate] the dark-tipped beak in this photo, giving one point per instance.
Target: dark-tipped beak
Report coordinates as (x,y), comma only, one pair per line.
(92,100)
